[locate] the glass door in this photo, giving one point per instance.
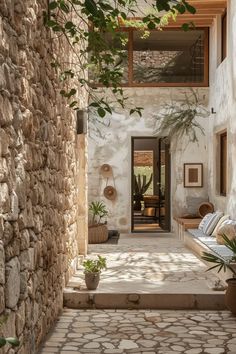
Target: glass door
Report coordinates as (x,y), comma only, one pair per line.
(164,184)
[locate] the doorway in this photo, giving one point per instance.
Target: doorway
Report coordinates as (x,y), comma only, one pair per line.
(150,181)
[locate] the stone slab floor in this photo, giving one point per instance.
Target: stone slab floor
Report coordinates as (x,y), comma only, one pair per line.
(148,263)
(141,331)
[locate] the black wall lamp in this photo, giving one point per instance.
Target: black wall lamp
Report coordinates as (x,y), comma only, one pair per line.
(81,121)
(213,111)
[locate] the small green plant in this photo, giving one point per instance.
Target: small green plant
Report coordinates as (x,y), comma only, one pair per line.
(222,263)
(14,342)
(98,211)
(94,265)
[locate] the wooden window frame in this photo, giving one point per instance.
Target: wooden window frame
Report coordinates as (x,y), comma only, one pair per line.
(224,36)
(223,166)
(131,83)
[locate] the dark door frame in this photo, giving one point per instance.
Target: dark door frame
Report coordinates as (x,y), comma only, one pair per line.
(132,184)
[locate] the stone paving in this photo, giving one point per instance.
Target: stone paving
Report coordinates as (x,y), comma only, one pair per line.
(141,331)
(155,263)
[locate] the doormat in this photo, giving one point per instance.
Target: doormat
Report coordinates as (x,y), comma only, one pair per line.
(113,237)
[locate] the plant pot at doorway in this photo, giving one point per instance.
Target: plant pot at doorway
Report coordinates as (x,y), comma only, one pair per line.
(224,264)
(92,271)
(97,231)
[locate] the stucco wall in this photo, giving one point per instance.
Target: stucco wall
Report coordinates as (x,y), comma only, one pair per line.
(114,147)
(40,169)
(223,99)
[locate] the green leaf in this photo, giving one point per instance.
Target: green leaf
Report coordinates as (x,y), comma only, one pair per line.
(73,104)
(69,25)
(13,341)
(2,342)
(162,5)
(53,5)
(94,104)
(190,8)
(101,112)
(180,8)
(185,27)
(72,92)
(91,7)
(64,7)
(151,25)
(51,23)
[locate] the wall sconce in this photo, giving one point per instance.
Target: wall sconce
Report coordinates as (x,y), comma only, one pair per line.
(213,111)
(81,121)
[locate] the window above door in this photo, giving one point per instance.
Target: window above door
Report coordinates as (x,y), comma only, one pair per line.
(171,57)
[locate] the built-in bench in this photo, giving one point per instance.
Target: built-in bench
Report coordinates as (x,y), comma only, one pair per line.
(198,242)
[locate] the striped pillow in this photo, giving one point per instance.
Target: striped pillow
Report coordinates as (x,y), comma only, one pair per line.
(204,220)
(211,223)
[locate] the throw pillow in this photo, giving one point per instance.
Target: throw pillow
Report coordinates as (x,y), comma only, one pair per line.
(220,223)
(211,223)
(204,220)
(228,228)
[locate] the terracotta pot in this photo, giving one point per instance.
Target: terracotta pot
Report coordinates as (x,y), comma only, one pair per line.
(230,295)
(92,280)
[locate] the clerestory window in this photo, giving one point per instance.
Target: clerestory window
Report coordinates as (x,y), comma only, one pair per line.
(171,57)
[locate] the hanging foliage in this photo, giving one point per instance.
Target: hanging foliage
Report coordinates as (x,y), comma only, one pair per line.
(179,119)
(93,31)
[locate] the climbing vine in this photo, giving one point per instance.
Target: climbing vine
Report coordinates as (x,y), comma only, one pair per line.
(94,32)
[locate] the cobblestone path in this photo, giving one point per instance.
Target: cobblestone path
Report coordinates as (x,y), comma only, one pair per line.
(141,331)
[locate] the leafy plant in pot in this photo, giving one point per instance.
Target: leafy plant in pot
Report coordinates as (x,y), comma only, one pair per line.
(223,264)
(92,271)
(97,230)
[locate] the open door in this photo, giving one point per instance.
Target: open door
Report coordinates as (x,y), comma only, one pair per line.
(164,184)
(150,185)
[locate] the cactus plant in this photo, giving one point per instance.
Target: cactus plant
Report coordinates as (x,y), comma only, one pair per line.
(141,185)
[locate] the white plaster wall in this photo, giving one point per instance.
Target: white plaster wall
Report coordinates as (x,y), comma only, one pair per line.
(113,146)
(223,99)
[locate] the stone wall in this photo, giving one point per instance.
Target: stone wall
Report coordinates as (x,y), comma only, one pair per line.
(39,177)
(112,144)
(223,100)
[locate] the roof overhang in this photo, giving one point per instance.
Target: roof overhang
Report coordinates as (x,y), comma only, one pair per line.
(206,12)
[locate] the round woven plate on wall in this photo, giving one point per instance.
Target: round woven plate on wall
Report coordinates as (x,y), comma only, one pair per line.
(205,208)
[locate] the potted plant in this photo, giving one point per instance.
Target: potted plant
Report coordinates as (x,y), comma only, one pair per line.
(222,264)
(97,230)
(92,271)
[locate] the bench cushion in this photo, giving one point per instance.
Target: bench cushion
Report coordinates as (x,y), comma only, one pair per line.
(209,241)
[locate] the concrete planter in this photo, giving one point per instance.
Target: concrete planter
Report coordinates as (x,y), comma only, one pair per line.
(230,295)
(92,280)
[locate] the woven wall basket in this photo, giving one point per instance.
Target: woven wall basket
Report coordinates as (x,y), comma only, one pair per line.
(97,233)
(205,208)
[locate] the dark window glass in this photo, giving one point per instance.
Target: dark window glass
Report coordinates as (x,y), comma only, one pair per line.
(224,36)
(169,57)
(223,163)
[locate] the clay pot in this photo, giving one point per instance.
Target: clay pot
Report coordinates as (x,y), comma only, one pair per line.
(92,280)
(230,295)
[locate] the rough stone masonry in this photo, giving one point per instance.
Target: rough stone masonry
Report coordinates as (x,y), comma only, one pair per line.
(39,174)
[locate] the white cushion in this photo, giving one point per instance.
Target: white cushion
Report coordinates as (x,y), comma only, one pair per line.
(211,223)
(220,223)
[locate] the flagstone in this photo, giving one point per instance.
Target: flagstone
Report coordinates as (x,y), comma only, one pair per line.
(142,336)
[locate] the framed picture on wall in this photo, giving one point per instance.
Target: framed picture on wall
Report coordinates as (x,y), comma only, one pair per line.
(193,175)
